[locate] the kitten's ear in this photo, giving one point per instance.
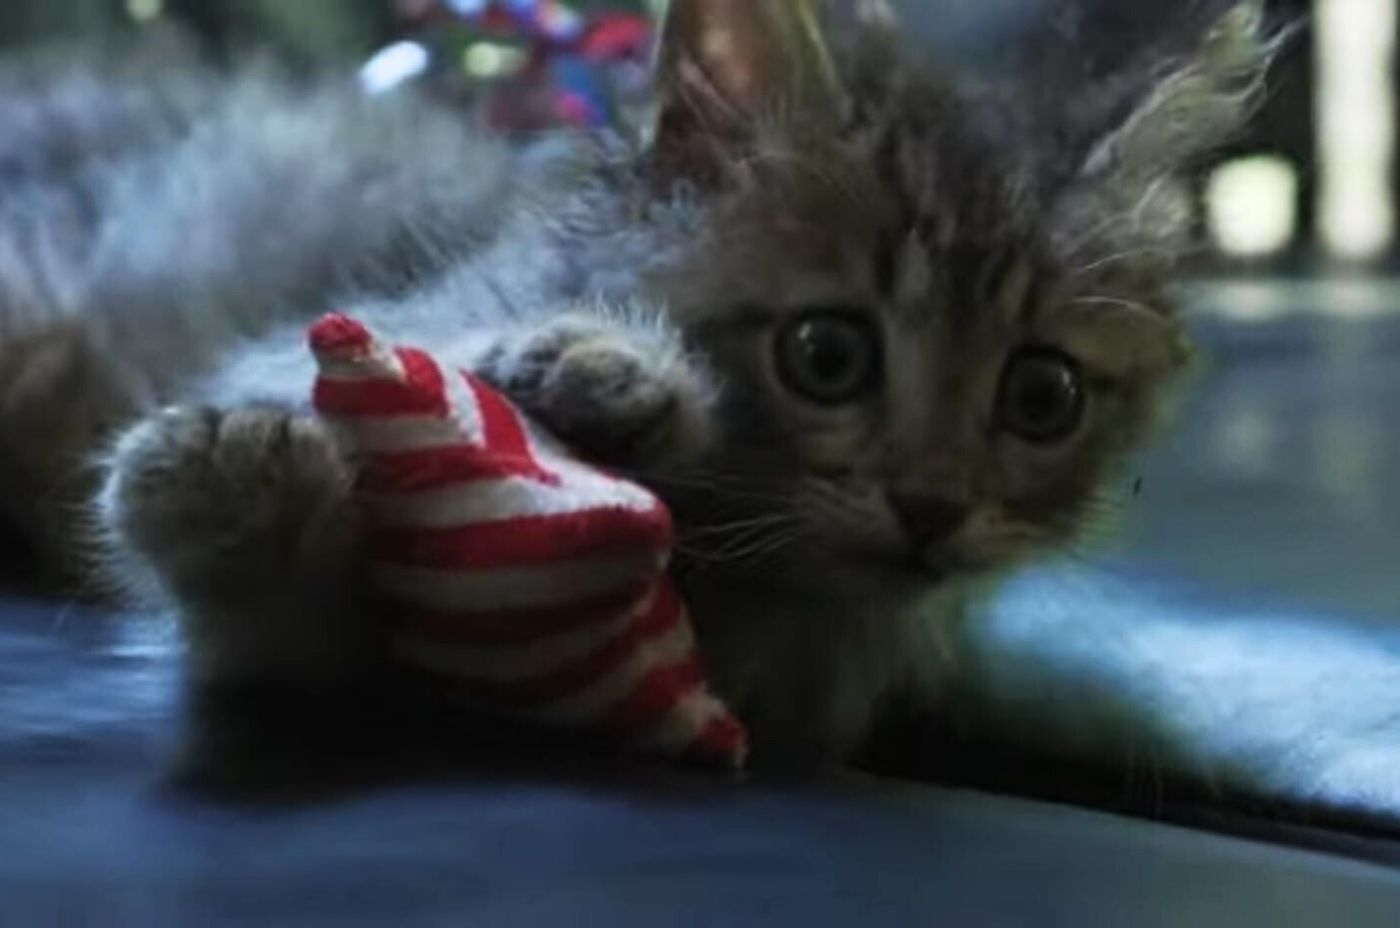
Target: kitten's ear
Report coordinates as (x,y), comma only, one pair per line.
(725,67)
(1157,116)
(1154,115)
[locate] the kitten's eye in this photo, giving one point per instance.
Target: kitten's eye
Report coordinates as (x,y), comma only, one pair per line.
(828,357)
(1042,396)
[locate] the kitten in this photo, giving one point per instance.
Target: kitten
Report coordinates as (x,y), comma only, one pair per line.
(875,334)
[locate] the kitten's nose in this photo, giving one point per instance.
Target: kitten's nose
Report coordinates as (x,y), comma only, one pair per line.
(928,519)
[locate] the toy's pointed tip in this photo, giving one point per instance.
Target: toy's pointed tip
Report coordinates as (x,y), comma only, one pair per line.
(336,334)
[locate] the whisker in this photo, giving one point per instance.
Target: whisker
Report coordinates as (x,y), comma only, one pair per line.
(1110,301)
(718,528)
(740,543)
(761,547)
(1121,257)
(752,543)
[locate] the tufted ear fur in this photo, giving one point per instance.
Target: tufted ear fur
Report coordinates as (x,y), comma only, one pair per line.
(1189,109)
(1152,117)
(728,67)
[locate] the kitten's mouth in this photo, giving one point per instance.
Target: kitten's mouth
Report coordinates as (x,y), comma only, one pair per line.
(910,566)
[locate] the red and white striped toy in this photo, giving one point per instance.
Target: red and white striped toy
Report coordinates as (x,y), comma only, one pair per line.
(525,580)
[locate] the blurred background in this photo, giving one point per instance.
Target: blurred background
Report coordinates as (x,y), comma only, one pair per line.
(1279,481)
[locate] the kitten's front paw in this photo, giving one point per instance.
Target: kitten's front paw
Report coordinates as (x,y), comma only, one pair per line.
(626,397)
(206,495)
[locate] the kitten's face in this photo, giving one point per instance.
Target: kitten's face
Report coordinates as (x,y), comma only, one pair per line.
(937,312)
(899,406)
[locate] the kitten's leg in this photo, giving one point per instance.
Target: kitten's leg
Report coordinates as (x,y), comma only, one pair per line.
(244,514)
(61,396)
(244,519)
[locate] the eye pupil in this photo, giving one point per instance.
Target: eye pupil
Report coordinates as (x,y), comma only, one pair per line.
(1041,395)
(828,352)
(828,357)
(1042,398)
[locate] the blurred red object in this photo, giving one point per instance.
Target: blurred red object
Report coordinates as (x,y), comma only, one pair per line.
(613,36)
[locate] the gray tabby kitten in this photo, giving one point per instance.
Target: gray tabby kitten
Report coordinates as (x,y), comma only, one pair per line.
(874,333)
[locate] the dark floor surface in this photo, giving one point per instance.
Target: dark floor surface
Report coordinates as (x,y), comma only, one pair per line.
(93,833)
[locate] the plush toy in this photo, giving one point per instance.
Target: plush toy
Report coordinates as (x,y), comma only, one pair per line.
(524,580)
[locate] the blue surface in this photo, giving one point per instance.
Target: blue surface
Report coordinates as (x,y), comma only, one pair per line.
(90,833)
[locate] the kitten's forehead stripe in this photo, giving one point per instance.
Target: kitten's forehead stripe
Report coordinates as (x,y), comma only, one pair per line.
(1018,292)
(887,259)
